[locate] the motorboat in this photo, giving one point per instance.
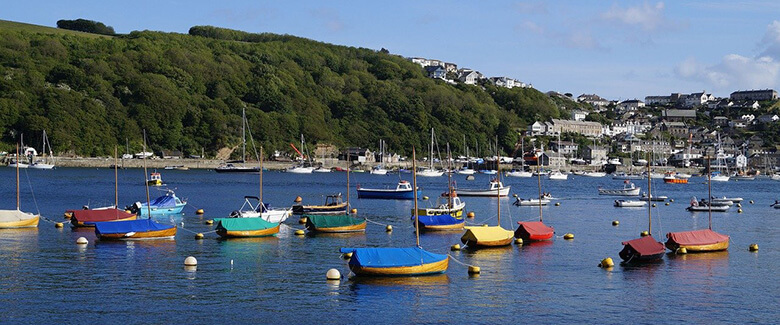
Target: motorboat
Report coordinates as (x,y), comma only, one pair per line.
(495,185)
(624,176)
(629,189)
(630,203)
(530,202)
(403,191)
(254,208)
(518,173)
(657,198)
(558,176)
(594,174)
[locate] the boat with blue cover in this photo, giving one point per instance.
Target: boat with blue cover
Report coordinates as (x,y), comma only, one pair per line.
(134,230)
(168,204)
(403,191)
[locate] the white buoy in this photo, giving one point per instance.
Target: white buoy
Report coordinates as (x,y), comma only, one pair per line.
(333,274)
(82,241)
(190,261)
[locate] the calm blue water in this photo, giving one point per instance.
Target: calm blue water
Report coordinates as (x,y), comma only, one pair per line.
(47,278)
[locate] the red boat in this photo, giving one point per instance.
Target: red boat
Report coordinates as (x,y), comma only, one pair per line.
(643,249)
(533,231)
(88,218)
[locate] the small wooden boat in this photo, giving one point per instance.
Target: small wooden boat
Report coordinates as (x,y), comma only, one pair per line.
(643,249)
(630,203)
(495,185)
(143,229)
(704,240)
(403,191)
(245,227)
(155,179)
(629,189)
(391,261)
(333,205)
(533,231)
(335,223)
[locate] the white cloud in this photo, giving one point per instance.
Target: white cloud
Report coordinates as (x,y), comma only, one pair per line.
(648,17)
(771,41)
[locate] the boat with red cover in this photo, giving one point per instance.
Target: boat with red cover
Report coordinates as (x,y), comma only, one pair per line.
(643,249)
(533,231)
(703,240)
(88,218)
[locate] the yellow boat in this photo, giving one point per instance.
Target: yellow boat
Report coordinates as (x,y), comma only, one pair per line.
(17,219)
(493,236)
(155,179)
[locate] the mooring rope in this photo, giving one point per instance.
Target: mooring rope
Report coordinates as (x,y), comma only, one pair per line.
(459,262)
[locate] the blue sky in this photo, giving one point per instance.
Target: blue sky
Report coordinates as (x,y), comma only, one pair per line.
(619,50)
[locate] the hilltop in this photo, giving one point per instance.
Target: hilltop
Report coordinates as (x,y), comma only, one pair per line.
(92,92)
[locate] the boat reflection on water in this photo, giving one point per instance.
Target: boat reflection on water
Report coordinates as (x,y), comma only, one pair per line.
(710,258)
(438,282)
(314,234)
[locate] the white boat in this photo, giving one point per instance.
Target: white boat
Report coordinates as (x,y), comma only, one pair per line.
(378,171)
(466,171)
(444,205)
(682,175)
(629,189)
(657,198)
(558,176)
(614,161)
(45,163)
(744,178)
(776,205)
(702,206)
(732,199)
(430,173)
(16,164)
(530,202)
(300,170)
(594,174)
(322,170)
(624,176)
(720,178)
(260,210)
(488,172)
(519,173)
(495,185)
(775,177)
(630,203)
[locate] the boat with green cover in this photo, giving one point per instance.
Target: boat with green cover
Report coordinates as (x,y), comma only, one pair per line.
(335,223)
(245,227)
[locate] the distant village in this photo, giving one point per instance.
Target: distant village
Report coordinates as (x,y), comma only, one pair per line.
(679,129)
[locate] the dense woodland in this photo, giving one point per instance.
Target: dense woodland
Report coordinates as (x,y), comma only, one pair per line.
(90,94)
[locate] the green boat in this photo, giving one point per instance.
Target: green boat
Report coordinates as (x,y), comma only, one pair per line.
(245,227)
(335,223)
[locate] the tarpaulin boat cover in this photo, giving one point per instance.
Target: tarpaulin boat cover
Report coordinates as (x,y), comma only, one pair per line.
(486,234)
(697,237)
(101,215)
(244,224)
(332,221)
(391,256)
(535,228)
(123,227)
(645,246)
(438,220)
(14,215)
(164,201)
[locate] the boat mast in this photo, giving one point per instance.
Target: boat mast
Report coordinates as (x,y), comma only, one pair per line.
(18,205)
(146,183)
(649,214)
(243,135)
(449,177)
(539,177)
(709,187)
(116,180)
(431,151)
(348,167)
(261,175)
(498,185)
(414,188)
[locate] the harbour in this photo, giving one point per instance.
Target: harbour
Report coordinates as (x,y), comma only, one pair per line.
(48,278)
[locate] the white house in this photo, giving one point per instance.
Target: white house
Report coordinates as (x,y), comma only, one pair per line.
(630,105)
(468,76)
(578,115)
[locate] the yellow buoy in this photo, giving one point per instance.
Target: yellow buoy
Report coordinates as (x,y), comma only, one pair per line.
(389,228)
(82,241)
(753,247)
(671,200)
(58,225)
(455,247)
(644,233)
(333,274)
(470,214)
(514,195)
(519,241)
(353,210)
(298,199)
(681,250)
(739,205)
(751,201)
(347,256)
(654,205)
(568,236)
(557,204)
(199,211)
(209,222)
(300,232)
(739,210)
(425,198)
(199,236)
(615,223)
(607,262)
(303,220)
(190,261)
(667,203)
(474,270)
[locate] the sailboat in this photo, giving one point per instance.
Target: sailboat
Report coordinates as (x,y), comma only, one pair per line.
(258,221)
(17,218)
(535,230)
(338,223)
(89,217)
(45,164)
(140,229)
(305,167)
(489,236)
(720,160)
(704,240)
(445,221)
(380,169)
(392,261)
(645,248)
(230,167)
(430,171)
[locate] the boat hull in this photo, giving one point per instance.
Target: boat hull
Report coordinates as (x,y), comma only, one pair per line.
(169,233)
(704,240)
(424,269)
(715,208)
(320,209)
(720,246)
(676,180)
(388,194)
(28,223)
(351,228)
(444,222)
(490,193)
(476,237)
(335,224)
(224,233)
(620,192)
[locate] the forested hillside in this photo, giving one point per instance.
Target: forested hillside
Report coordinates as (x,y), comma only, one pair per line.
(187,91)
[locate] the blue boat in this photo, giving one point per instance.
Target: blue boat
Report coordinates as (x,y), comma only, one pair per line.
(390,261)
(168,204)
(134,230)
(439,222)
(402,192)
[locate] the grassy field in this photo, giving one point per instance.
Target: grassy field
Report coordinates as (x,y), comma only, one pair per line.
(12,25)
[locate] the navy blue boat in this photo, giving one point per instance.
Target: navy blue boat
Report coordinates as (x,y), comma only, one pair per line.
(402,192)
